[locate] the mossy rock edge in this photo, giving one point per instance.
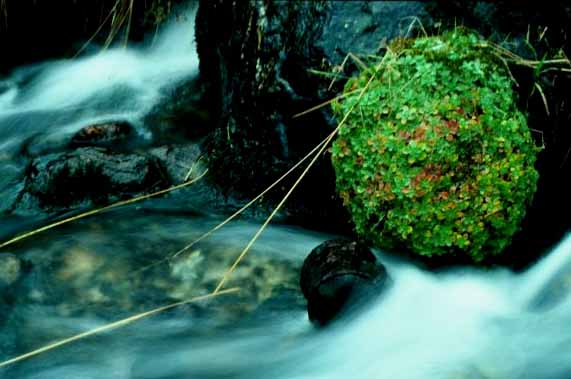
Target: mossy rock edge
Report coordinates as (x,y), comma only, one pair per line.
(435,158)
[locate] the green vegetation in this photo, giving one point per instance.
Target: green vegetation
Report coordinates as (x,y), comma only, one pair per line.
(436,158)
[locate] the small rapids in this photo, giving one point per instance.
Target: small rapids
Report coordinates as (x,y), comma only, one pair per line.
(464,323)
(42,104)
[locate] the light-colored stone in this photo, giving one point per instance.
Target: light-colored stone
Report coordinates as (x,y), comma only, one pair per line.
(10,269)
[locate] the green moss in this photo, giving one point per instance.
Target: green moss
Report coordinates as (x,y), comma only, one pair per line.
(436,157)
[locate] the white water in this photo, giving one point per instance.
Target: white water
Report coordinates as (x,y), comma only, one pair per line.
(463,324)
(55,99)
(466,323)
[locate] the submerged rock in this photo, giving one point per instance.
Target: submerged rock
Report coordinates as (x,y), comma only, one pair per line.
(338,274)
(114,267)
(10,270)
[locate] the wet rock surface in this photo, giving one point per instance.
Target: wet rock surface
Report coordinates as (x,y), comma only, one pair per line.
(102,134)
(181,162)
(253,71)
(89,176)
(360,27)
(338,275)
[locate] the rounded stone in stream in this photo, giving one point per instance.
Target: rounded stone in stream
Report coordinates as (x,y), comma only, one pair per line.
(102,134)
(338,274)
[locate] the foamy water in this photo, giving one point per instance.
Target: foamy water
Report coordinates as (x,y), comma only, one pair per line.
(466,323)
(55,99)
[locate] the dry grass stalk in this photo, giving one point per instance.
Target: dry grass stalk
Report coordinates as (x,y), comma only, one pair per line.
(324,144)
(111,326)
(99,210)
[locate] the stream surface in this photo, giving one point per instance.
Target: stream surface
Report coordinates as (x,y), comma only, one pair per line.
(463,323)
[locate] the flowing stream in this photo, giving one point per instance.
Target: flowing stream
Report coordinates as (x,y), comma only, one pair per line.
(464,323)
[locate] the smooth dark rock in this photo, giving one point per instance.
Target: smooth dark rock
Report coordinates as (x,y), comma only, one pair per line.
(89,176)
(94,176)
(338,274)
(10,185)
(362,28)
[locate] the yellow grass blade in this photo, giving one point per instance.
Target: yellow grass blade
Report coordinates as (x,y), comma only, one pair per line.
(323,145)
(543,98)
(99,210)
(113,325)
(325,103)
(111,12)
(249,204)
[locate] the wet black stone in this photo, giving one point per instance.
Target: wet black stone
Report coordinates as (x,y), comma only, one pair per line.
(339,275)
(255,62)
(89,176)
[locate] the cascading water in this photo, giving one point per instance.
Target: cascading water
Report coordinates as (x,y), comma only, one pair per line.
(465,323)
(462,324)
(43,104)
(119,83)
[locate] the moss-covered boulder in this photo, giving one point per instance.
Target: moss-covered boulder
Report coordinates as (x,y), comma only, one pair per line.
(435,158)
